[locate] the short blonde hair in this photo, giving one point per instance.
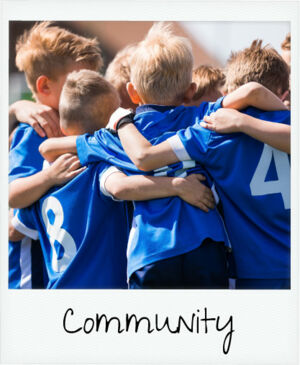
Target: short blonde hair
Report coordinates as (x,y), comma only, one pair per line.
(48,50)
(207,79)
(161,66)
(256,63)
(87,101)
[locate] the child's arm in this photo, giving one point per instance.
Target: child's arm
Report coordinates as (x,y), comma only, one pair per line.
(141,152)
(27,190)
(276,135)
(139,187)
(43,119)
(52,148)
(253,94)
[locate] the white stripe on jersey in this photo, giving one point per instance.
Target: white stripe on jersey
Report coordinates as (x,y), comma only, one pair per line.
(178,148)
(32,233)
(131,237)
(25,264)
(102,179)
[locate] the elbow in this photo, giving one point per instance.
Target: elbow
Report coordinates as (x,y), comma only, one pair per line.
(118,191)
(13,199)
(143,162)
(46,153)
(254,89)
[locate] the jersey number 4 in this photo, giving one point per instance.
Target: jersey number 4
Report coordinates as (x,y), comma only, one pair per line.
(58,234)
(259,185)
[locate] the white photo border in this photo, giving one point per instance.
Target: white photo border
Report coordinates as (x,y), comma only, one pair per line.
(266,323)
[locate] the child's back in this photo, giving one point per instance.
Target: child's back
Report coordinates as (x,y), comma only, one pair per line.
(161,71)
(83,233)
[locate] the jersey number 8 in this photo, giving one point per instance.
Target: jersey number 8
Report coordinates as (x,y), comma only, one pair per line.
(57,233)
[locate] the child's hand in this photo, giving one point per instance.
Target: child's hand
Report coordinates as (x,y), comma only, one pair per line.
(191,190)
(43,118)
(64,169)
(223,121)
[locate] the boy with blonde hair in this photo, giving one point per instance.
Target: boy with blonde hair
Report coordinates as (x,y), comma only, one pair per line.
(209,81)
(118,74)
(252,178)
(91,254)
(46,54)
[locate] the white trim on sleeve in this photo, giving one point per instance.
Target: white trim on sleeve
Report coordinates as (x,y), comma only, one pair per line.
(32,233)
(102,180)
(178,148)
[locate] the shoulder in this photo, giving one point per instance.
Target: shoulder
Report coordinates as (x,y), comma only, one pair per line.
(277,116)
(26,134)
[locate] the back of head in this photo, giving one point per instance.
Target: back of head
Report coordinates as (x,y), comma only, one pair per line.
(256,63)
(209,80)
(286,44)
(118,73)
(86,103)
(286,49)
(49,50)
(161,66)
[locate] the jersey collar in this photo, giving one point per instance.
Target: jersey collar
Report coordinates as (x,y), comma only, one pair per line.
(153,108)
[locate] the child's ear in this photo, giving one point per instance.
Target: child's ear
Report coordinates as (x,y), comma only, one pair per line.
(133,94)
(190,92)
(42,85)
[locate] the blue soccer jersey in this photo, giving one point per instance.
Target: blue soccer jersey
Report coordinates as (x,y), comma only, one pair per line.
(25,265)
(25,258)
(24,157)
(83,233)
(253,181)
(162,228)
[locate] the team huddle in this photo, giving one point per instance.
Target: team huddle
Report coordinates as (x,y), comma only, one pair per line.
(157,175)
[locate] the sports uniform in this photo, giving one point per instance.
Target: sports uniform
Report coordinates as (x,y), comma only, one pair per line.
(26,268)
(83,233)
(168,227)
(253,181)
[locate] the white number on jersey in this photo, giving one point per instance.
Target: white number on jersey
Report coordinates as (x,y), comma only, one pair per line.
(259,186)
(163,171)
(56,233)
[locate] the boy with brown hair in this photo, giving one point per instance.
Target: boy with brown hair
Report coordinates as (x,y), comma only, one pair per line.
(209,81)
(118,74)
(286,49)
(46,54)
(260,64)
(91,254)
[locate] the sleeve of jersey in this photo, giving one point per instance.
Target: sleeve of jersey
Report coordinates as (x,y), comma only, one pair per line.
(103,175)
(88,149)
(23,222)
(191,143)
(24,157)
(213,107)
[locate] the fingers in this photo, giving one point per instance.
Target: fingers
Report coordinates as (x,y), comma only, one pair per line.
(47,124)
(74,173)
(37,127)
(47,119)
(74,165)
(209,122)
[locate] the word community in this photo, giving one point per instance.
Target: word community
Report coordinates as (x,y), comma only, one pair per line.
(199,322)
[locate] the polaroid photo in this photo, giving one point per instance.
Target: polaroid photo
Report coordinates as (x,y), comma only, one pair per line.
(212,236)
